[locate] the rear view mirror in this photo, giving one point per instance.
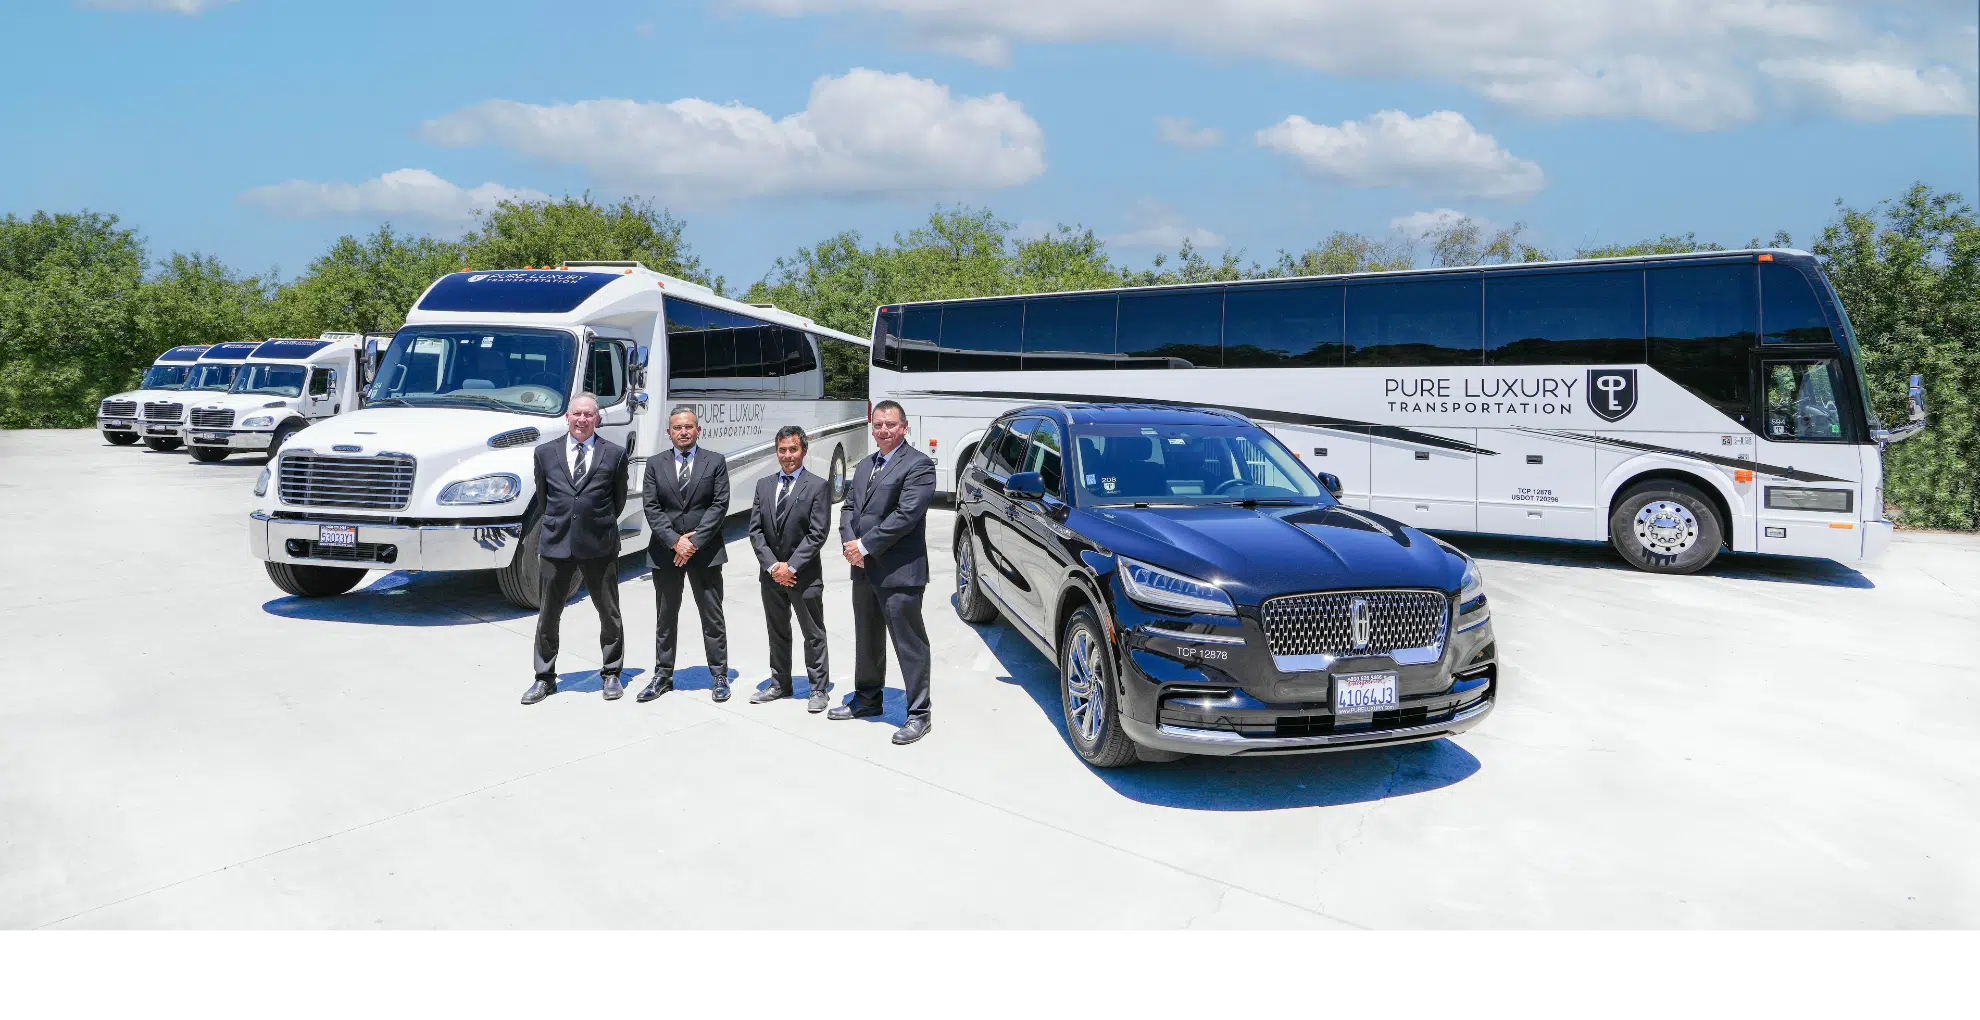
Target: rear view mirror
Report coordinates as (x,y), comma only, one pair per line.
(1025,485)
(1916,398)
(1915,407)
(1329,481)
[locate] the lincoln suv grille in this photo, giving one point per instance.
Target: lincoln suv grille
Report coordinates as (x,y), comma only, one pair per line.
(212,419)
(119,409)
(384,482)
(1323,623)
(164,412)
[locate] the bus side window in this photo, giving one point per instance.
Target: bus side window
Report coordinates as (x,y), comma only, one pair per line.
(845,369)
(1279,326)
(920,338)
(982,336)
(1789,313)
(1173,329)
(1069,332)
(1407,323)
(1701,321)
(1554,318)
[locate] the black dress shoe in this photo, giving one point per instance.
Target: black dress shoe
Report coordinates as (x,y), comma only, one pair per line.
(659,686)
(539,690)
(612,688)
(720,692)
(844,712)
(820,698)
(913,731)
(773,692)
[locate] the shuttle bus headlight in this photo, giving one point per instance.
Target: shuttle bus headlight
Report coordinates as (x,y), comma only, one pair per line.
(259,421)
(483,490)
(261,483)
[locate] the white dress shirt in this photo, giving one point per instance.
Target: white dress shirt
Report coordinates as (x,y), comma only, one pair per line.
(877,468)
(571,448)
(684,458)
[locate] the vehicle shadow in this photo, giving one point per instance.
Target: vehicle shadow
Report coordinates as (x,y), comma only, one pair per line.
(1202,783)
(1599,556)
(437,599)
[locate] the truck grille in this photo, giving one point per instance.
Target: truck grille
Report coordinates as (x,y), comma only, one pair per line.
(212,419)
(119,409)
(383,482)
(164,412)
(1323,623)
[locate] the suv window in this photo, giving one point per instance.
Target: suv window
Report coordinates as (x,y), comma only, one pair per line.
(1006,447)
(1044,456)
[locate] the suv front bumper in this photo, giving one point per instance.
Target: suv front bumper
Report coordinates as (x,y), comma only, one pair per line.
(384,545)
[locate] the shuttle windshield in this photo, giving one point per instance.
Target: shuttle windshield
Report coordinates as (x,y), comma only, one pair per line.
(165,377)
(212,375)
(496,368)
(274,380)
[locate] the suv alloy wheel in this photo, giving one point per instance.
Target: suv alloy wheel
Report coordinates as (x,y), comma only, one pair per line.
(1087,694)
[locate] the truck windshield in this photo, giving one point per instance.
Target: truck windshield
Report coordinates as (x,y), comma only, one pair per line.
(501,368)
(275,380)
(1119,464)
(165,377)
(212,375)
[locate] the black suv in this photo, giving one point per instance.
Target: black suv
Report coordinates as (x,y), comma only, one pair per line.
(1203,593)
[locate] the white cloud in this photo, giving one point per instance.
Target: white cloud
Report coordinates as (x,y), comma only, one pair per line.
(1178,131)
(416,194)
(172,6)
(1417,224)
(1437,154)
(1154,225)
(1872,89)
(1693,63)
(863,134)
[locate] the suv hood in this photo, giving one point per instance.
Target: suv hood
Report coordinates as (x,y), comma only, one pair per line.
(1256,554)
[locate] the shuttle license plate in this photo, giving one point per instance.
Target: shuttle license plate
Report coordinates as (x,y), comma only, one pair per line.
(1362,693)
(344,535)
(159,430)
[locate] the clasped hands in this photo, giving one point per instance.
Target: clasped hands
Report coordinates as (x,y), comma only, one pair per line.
(853,555)
(683,551)
(783,574)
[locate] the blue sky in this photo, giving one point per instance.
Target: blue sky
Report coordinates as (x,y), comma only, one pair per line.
(259,130)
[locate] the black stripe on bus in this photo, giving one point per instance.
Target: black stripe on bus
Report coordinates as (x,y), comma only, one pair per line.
(1709,458)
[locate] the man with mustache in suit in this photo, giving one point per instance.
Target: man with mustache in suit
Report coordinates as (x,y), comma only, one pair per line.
(789,527)
(687,496)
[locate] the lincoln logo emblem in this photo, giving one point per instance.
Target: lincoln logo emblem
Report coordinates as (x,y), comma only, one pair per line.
(1361,627)
(1612,392)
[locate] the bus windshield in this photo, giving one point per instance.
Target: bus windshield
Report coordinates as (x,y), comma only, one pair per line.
(165,377)
(1120,464)
(274,380)
(502,368)
(212,375)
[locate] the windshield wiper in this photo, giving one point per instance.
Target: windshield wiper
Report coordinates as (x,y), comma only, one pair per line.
(1270,501)
(477,399)
(382,401)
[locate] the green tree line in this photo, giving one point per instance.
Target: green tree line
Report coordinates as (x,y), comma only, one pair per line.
(84,308)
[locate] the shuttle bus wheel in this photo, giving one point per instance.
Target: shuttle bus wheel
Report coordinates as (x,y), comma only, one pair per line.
(281,436)
(209,454)
(1666,527)
(311,582)
(121,438)
(522,579)
(837,477)
(161,445)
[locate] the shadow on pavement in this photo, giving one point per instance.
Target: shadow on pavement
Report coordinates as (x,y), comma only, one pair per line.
(590,681)
(437,599)
(1599,556)
(1202,783)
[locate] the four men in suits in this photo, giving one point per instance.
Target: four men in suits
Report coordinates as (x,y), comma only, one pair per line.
(580,493)
(788,527)
(687,495)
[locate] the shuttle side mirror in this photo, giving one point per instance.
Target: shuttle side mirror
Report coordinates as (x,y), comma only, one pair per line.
(1330,482)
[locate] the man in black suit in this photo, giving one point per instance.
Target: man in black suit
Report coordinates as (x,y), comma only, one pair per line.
(789,526)
(580,493)
(885,534)
(687,495)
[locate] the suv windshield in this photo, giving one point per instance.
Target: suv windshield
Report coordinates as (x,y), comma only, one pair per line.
(275,380)
(164,377)
(502,367)
(1119,464)
(213,375)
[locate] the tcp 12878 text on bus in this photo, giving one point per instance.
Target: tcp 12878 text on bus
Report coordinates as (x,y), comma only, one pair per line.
(1500,395)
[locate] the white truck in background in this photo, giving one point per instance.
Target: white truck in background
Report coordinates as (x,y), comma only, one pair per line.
(283,387)
(119,416)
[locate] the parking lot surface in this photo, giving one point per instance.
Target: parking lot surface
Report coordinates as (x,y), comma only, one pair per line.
(1773,743)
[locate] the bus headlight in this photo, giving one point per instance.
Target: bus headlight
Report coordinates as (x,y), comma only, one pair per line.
(261,483)
(483,490)
(1154,586)
(259,421)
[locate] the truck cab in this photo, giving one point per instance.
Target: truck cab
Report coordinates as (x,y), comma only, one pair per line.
(119,416)
(165,420)
(282,388)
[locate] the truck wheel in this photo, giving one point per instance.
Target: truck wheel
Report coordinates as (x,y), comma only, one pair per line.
(121,438)
(522,579)
(837,476)
(1087,693)
(1666,528)
(281,436)
(311,582)
(972,602)
(161,445)
(209,454)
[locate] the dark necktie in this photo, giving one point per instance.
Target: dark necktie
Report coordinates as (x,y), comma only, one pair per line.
(682,479)
(577,472)
(783,504)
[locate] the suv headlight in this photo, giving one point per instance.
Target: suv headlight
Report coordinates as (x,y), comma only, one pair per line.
(259,421)
(1157,587)
(486,489)
(1473,584)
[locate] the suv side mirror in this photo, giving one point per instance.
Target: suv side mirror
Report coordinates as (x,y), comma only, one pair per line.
(1330,482)
(1025,485)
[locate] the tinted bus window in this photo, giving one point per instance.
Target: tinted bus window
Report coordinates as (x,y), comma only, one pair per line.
(920,336)
(1564,319)
(686,358)
(845,369)
(1173,329)
(1789,312)
(982,336)
(886,350)
(1414,322)
(797,358)
(1701,324)
(1273,327)
(1069,332)
(749,349)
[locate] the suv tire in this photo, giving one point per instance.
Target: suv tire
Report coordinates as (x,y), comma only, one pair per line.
(1087,695)
(308,581)
(1666,528)
(972,602)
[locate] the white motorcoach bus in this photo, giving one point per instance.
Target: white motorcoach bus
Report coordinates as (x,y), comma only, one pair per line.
(284,386)
(1673,405)
(435,471)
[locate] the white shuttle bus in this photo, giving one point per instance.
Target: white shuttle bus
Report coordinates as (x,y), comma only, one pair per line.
(1671,405)
(283,387)
(435,471)
(118,415)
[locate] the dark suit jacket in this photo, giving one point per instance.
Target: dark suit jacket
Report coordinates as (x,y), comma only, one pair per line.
(671,513)
(807,527)
(580,521)
(887,511)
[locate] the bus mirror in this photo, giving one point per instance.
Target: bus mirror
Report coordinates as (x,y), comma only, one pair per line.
(368,361)
(639,399)
(1916,398)
(1329,481)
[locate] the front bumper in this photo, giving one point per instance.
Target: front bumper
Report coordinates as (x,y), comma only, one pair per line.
(159,429)
(119,425)
(229,439)
(384,545)
(1877,537)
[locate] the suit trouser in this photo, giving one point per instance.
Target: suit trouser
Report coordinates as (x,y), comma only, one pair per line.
(880,613)
(806,599)
(706,582)
(601,577)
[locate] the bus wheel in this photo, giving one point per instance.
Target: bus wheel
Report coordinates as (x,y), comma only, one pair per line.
(209,454)
(281,436)
(312,582)
(1666,528)
(121,438)
(522,579)
(837,477)
(161,445)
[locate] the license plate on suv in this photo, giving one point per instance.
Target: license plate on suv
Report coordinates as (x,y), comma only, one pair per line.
(1362,693)
(344,535)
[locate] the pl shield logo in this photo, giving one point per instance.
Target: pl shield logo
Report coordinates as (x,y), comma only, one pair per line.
(1612,392)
